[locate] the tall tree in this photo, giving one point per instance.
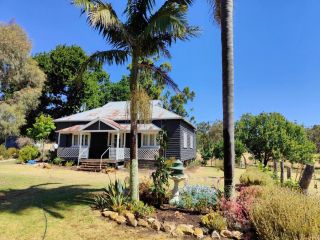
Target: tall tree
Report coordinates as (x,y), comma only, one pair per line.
(145,33)
(223,15)
(64,93)
(21,79)
(314,135)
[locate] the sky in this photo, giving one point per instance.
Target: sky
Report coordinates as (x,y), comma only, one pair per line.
(276,51)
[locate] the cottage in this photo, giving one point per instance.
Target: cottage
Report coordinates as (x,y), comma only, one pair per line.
(103,135)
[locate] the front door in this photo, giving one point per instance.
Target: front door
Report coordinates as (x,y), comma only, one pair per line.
(98,145)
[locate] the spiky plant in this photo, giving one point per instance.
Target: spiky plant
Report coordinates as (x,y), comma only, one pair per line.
(145,32)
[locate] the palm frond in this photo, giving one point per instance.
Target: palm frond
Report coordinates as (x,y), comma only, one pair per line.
(170,19)
(160,75)
(102,17)
(215,6)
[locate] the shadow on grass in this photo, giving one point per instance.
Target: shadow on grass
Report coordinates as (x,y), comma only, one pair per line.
(53,200)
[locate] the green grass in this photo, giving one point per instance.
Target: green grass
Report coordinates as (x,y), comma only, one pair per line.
(31,196)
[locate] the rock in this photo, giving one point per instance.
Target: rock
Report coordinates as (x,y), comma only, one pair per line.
(143,223)
(226,234)
(168,227)
(156,225)
(207,238)
(113,216)
(107,213)
(47,165)
(198,233)
(215,235)
(151,220)
(177,233)
(131,219)
(186,229)
(205,230)
(120,219)
(178,215)
(236,235)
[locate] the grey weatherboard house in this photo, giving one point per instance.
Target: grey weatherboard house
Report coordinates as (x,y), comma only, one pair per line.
(103,135)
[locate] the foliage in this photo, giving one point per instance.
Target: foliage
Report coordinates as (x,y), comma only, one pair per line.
(28,153)
(291,184)
(146,191)
(12,152)
(57,161)
(23,141)
(214,221)
(160,179)
(218,150)
(21,80)
(253,176)
(69,163)
(65,93)
(269,136)
(314,135)
(140,209)
(176,103)
(237,211)
(41,130)
(114,197)
(281,213)
(3,152)
(198,198)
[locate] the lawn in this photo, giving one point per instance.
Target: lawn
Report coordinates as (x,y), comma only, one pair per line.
(31,196)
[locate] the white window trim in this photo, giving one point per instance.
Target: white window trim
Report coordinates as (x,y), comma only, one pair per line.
(191,141)
(78,136)
(185,139)
(156,144)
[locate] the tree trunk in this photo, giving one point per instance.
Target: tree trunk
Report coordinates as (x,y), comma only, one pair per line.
(288,172)
(306,178)
(42,154)
(282,172)
(228,95)
(275,167)
(134,178)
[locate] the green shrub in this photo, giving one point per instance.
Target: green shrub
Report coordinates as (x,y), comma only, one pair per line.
(69,163)
(253,176)
(114,197)
(28,153)
(12,152)
(214,221)
(140,209)
(57,161)
(284,214)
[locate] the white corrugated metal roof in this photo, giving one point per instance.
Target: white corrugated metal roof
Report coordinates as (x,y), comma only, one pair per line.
(118,111)
(141,127)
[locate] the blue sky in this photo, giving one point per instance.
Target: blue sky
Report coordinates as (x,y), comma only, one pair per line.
(277,53)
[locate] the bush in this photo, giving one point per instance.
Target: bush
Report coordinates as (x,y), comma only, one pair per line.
(141,209)
(57,161)
(145,192)
(12,152)
(23,141)
(283,214)
(115,197)
(236,212)
(28,153)
(198,198)
(3,152)
(253,176)
(214,221)
(69,163)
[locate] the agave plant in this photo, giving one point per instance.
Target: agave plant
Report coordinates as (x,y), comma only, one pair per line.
(114,197)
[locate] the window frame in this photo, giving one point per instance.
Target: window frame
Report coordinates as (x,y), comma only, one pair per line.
(185,139)
(148,138)
(84,136)
(191,141)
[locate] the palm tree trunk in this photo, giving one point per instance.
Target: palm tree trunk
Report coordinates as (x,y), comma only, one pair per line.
(228,95)
(134,180)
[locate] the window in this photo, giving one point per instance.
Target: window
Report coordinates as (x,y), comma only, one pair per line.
(185,140)
(84,140)
(75,141)
(149,140)
(191,141)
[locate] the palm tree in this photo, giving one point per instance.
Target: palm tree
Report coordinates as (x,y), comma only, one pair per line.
(143,34)
(223,15)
